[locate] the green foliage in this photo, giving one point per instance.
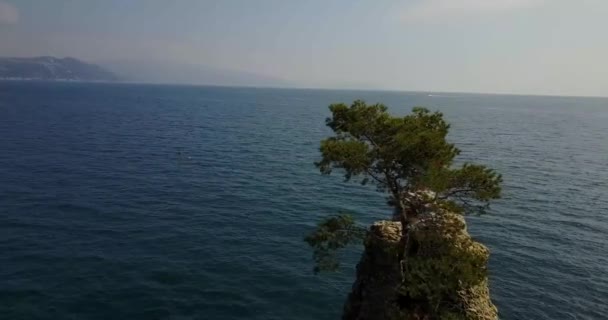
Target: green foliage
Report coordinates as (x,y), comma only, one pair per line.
(408,157)
(404,155)
(446,269)
(333,233)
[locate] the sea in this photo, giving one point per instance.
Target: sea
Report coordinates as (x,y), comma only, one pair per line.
(124,201)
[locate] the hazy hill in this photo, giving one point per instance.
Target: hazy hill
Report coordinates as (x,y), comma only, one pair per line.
(51,68)
(171,72)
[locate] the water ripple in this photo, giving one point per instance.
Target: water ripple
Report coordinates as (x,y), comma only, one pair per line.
(140,202)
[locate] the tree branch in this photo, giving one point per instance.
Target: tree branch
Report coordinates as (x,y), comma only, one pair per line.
(369,172)
(455,192)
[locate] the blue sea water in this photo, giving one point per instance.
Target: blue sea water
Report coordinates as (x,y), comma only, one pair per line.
(177,202)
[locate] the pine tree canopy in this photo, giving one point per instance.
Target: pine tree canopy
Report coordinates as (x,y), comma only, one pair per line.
(407,157)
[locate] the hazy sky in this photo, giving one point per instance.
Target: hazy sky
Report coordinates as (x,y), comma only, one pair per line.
(515,46)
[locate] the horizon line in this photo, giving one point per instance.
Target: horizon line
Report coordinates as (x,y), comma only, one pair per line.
(152,83)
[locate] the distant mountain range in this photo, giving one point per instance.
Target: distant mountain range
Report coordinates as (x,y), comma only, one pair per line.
(143,71)
(172,72)
(51,68)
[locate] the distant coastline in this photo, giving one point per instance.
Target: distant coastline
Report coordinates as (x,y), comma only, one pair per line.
(53,69)
(16,79)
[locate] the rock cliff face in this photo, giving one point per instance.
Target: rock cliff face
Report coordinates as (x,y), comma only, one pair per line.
(443,276)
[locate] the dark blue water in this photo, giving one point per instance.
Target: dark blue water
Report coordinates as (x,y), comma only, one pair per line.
(161,202)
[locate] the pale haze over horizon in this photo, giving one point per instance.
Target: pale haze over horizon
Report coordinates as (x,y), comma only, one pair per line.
(556,47)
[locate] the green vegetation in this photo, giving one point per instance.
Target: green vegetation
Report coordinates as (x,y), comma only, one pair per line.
(443,273)
(407,157)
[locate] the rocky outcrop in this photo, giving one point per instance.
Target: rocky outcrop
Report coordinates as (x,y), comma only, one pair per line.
(443,275)
(375,291)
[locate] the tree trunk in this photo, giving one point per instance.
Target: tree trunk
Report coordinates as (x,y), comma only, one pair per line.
(403,218)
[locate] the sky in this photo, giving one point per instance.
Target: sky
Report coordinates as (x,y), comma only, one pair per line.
(555,47)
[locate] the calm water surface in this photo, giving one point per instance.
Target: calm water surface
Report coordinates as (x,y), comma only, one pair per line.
(165,202)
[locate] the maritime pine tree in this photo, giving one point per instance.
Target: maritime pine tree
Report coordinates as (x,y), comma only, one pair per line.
(408,158)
